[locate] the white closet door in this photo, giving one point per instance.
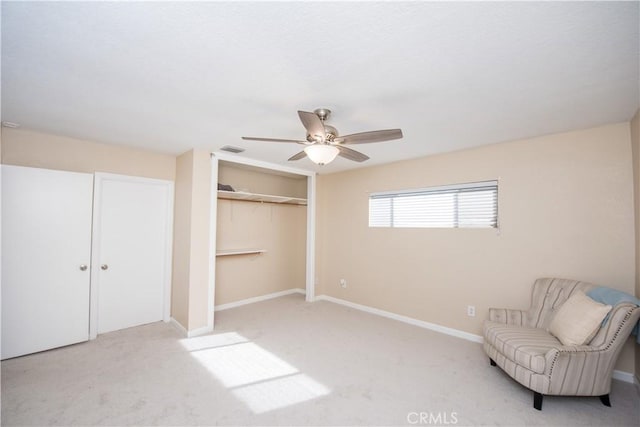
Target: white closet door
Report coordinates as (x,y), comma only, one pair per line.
(46,251)
(132,250)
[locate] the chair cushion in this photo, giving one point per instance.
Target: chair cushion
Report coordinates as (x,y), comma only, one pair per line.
(522,345)
(578,319)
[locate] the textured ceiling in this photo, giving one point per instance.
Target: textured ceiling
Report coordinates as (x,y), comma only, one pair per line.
(171,76)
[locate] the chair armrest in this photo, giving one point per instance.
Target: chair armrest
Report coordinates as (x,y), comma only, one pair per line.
(581,370)
(508,316)
(587,369)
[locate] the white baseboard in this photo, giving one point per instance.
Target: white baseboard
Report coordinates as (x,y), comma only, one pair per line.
(189,334)
(200,331)
(617,375)
(206,329)
(420,323)
(627,377)
(258,299)
(178,326)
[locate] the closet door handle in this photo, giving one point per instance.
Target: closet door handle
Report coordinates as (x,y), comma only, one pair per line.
(104,267)
(83,267)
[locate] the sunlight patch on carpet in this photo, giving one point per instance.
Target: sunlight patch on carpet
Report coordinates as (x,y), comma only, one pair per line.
(243,364)
(281,392)
(257,377)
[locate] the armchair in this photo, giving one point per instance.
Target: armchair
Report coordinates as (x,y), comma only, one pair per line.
(518,341)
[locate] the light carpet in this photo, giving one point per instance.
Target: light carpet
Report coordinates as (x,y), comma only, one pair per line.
(285,362)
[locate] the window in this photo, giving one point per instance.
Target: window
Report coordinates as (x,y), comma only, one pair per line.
(451,206)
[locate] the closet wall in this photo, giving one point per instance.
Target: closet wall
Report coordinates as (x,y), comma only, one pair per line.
(277,228)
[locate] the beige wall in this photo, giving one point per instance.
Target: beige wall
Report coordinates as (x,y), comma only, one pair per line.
(182,239)
(190,285)
(635,148)
(23,147)
(200,242)
(565,210)
(278,229)
(565,207)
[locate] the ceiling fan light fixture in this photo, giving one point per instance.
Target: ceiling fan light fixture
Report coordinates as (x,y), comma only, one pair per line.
(321,154)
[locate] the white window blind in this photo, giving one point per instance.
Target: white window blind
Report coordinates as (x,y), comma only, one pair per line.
(453,206)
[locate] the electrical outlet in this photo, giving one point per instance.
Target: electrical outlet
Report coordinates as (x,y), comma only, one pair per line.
(471,311)
(343,283)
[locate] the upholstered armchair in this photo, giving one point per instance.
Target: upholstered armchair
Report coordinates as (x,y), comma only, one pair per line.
(519,342)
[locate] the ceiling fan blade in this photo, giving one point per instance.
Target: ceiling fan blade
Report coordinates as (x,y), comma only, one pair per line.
(312,124)
(300,155)
(253,138)
(373,136)
(350,154)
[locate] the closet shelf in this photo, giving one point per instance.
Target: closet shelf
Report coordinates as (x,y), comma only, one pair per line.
(266,198)
(230,252)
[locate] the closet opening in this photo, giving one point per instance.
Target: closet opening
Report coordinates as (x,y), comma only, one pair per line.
(263,232)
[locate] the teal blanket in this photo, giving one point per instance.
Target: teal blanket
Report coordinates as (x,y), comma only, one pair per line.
(613,297)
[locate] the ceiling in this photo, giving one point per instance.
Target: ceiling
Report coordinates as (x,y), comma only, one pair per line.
(171,76)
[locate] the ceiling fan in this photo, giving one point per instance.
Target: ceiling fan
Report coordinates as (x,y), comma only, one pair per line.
(323,143)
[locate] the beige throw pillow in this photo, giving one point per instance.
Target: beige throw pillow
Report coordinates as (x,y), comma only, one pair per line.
(578,319)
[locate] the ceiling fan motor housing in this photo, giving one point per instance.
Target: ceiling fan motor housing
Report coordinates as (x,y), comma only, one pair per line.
(330,132)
